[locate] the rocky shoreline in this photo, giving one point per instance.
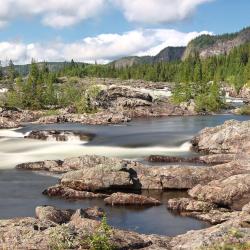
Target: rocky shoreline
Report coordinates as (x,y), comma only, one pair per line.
(219,193)
(114,104)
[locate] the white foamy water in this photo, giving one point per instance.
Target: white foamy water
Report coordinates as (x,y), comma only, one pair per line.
(19,150)
(11,133)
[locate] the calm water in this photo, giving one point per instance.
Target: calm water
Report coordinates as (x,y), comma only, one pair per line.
(20,191)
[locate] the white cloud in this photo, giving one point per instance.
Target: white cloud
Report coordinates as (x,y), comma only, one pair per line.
(63,13)
(54,13)
(103,48)
(157,11)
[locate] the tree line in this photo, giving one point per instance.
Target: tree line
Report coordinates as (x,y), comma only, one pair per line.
(194,78)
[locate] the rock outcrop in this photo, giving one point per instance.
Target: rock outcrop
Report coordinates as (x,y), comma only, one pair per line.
(131,199)
(47,232)
(69,193)
(230,138)
(225,192)
(57,135)
(100,118)
(13,117)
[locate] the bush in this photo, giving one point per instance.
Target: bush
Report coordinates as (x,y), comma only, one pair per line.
(100,240)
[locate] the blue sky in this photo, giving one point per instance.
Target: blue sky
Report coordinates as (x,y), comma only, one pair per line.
(89,30)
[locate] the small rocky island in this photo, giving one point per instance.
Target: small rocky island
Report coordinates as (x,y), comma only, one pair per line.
(219,193)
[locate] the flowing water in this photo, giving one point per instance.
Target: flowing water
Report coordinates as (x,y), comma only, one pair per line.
(20,191)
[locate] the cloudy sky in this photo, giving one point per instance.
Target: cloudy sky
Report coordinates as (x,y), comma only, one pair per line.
(103,30)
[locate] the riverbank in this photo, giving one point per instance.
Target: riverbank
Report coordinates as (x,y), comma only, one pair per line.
(86,180)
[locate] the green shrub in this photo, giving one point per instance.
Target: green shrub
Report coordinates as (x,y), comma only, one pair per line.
(100,240)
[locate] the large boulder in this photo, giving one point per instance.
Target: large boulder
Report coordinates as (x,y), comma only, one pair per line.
(186,177)
(229,192)
(230,138)
(201,210)
(99,178)
(122,96)
(131,199)
(53,214)
(60,216)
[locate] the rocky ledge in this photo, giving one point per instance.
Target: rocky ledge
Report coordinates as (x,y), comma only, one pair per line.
(13,117)
(68,229)
(230,138)
(114,104)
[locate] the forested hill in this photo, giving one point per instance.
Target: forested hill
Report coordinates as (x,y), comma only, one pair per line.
(169,54)
(204,45)
(207,45)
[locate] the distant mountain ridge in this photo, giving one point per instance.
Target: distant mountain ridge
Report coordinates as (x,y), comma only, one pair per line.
(204,45)
(169,54)
(208,45)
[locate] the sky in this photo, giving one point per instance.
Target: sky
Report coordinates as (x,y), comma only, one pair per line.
(104,30)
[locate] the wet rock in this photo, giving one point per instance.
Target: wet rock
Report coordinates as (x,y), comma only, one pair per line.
(69,193)
(93,213)
(230,138)
(174,159)
(201,210)
(130,199)
(51,166)
(215,216)
(59,136)
(53,214)
(225,192)
(189,205)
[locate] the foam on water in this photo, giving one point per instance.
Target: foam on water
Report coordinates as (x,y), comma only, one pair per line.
(18,150)
(11,133)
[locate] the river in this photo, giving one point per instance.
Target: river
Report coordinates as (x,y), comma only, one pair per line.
(21,191)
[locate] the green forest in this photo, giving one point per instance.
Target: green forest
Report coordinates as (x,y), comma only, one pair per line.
(194,78)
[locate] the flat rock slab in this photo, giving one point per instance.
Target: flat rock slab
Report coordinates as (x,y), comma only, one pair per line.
(69,193)
(131,199)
